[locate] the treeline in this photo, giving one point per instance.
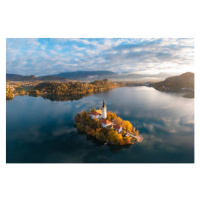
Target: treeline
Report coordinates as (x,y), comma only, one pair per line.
(62,90)
(93,128)
(70,88)
(18,88)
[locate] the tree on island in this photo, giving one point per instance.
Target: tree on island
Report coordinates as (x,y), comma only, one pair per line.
(111,116)
(93,110)
(119,121)
(128,126)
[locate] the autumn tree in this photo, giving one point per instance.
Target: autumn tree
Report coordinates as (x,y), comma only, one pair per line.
(84,115)
(128,126)
(111,116)
(9,95)
(93,110)
(87,129)
(22,93)
(102,137)
(119,121)
(136,132)
(127,140)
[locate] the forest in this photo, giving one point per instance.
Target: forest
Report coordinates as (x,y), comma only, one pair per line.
(70,88)
(59,90)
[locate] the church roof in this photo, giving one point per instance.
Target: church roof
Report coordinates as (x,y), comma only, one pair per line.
(99,111)
(95,113)
(116,126)
(105,121)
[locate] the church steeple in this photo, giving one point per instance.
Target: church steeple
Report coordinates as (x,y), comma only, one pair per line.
(104,110)
(104,105)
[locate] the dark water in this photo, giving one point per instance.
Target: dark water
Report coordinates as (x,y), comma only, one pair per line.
(42,131)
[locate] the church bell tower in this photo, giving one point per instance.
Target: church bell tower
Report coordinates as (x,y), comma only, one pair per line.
(104,110)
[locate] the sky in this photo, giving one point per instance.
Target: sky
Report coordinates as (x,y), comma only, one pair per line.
(47,56)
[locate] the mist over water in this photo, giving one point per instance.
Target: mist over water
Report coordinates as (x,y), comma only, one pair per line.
(42,131)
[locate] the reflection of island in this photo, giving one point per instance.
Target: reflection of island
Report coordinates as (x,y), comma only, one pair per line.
(54,97)
(184,83)
(107,127)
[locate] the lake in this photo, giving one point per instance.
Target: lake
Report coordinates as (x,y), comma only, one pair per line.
(39,130)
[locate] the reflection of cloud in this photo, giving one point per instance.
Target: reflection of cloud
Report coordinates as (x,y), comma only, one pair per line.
(173,142)
(31,134)
(126,112)
(150,127)
(168,126)
(63,130)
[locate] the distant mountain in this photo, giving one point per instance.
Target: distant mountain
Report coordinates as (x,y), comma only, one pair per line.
(139,77)
(51,78)
(91,76)
(85,75)
(163,75)
(184,81)
(16,77)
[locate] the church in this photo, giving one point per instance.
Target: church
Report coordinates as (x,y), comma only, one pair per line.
(101,114)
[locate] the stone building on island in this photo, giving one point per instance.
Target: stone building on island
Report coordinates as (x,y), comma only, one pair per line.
(117,127)
(101,114)
(106,123)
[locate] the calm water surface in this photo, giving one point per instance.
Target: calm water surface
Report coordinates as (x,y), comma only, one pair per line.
(42,131)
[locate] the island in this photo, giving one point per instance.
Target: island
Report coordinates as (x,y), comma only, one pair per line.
(107,127)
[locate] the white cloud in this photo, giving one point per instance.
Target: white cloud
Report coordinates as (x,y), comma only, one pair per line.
(76,48)
(31,56)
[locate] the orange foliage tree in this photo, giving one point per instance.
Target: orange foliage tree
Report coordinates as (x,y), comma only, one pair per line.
(111,116)
(119,121)
(128,126)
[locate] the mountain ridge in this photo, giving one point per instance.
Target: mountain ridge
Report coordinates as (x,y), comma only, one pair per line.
(183,81)
(82,75)
(17,77)
(91,76)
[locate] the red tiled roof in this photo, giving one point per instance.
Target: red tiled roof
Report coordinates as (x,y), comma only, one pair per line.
(116,126)
(99,111)
(95,113)
(105,121)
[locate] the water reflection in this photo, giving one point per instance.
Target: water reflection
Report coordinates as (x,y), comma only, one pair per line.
(67,97)
(41,130)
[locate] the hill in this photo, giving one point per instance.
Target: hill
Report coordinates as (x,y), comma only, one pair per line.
(68,88)
(99,75)
(65,91)
(85,75)
(16,77)
(92,76)
(184,81)
(139,77)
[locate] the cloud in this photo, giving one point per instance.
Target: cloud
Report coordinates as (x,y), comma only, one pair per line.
(52,56)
